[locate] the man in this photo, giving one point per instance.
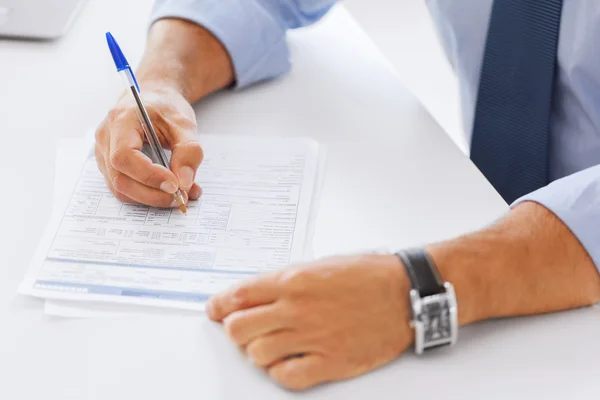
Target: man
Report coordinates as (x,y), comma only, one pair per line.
(530,103)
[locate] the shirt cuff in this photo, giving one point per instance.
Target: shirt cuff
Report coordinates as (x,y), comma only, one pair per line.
(255,40)
(575,200)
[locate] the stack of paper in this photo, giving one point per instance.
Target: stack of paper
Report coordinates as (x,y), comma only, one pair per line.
(253,217)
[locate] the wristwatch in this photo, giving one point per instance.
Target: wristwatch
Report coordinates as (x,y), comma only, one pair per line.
(433,302)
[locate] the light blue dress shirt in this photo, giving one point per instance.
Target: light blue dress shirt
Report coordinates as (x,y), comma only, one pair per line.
(254,33)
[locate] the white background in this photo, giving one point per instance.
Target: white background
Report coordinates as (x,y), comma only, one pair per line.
(404,32)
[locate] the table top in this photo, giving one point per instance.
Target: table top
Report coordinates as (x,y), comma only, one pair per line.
(393,179)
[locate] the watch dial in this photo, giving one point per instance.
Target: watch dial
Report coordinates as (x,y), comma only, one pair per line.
(436,319)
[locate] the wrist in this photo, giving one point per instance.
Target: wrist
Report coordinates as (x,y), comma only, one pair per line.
(527,263)
(185,57)
(466,272)
(151,88)
(159,82)
(161,85)
(396,282)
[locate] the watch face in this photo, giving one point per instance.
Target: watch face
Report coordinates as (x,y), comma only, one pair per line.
(436,319)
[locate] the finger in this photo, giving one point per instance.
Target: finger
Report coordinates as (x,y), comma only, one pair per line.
(127,190)
(300,373)
(267,350)
(101,166)
(186,158)
(247,325)
(99,157)
(195,192)
(254,292)
(101,134)
(126,157)
(141,193)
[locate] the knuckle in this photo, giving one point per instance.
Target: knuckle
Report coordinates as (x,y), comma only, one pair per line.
(100,133)
(149,178)
(257,352)
(196,149)
(191,150)
(189,123)
(182,118)
(118,158)
(289,380)
(234,327)
(295,280)
(290,275)
(119,182)
(120,196)
(213,307)
(298,311)
(153,112)
(118,113)
(97,151)
(240,297)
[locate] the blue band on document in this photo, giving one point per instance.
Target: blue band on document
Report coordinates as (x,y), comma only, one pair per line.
(127,292)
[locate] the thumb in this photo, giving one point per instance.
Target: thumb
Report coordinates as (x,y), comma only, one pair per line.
(185,160)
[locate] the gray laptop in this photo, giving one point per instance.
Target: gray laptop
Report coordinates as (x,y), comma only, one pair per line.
(37,19)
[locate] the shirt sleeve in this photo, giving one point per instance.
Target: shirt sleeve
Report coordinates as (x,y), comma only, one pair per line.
(575,199)
(252,31)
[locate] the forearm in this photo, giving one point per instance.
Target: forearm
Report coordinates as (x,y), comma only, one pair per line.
(527,263)
(186,57)
(239,42)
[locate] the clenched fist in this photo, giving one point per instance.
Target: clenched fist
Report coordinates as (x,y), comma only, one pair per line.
(324,321)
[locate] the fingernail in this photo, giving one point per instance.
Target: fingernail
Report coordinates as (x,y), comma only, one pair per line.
(186,177)
(168,187)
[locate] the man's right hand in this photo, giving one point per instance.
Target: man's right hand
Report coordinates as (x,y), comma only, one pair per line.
(129,173)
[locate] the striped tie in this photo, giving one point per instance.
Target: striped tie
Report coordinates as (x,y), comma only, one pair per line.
(510,141)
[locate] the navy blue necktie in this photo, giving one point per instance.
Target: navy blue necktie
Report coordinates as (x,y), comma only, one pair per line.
(510,141)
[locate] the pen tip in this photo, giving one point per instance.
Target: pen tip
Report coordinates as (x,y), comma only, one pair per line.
(183,209)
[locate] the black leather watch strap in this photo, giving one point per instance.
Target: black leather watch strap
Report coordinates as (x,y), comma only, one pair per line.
(422,272)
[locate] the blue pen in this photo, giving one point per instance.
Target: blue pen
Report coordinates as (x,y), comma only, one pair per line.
(160,157)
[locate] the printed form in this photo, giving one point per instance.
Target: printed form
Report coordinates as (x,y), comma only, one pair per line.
(252,218)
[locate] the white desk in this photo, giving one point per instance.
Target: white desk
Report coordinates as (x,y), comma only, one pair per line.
(344,94)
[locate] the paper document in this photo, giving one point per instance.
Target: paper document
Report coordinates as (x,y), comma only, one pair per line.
(251,218)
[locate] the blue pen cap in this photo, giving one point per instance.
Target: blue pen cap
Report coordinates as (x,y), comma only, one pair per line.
(117,54)
(119,58)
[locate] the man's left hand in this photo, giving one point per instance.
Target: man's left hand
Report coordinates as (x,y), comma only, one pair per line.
(325,321)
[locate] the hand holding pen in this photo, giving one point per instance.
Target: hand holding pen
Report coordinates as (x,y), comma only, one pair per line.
(130,174)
